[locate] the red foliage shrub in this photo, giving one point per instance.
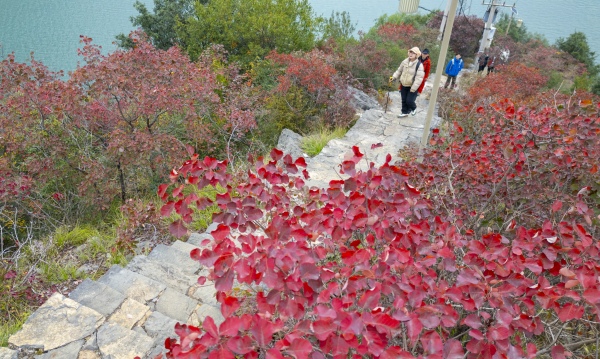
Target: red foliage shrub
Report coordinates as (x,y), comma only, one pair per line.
(466,33)
(364,268)
(514,80)
(396,32)
(315,72)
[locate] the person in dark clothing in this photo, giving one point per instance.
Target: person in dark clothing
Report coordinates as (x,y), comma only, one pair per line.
(491,64)
(483,60)
(426,61)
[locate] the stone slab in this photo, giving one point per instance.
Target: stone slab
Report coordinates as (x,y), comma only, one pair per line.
(159,327)
(70,320)
(132,285)
(6,353)
(97,296)
(206,293)
(176,305)
(88,354)
(129,313)
(200,239)
(204,311)
(167,273)
(116,342)
(70,350)
(171,255)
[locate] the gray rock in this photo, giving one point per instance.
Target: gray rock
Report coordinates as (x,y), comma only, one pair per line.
(169,274)
(205,293)
(131,284)
(159,327)
(97,296)
(361,100)
(211,227)
(197,239)
(185,247)
(88,354)
(116,342)
(129,313)
(6,353)
(70,350)
(176,305)
(204,311)
(70,321)
(171,255)
(289,142)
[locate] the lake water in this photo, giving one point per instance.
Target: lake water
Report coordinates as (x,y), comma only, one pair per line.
(51,28)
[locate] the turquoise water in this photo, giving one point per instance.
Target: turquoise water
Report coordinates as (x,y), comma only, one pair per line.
(51,28)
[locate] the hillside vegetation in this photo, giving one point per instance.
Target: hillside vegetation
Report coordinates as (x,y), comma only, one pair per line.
(488,245)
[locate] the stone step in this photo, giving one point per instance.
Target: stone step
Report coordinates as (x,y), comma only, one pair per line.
(98,296)
(171,255)
(58,322)
(167,273)
(200,240)
(6,353)
(133,285)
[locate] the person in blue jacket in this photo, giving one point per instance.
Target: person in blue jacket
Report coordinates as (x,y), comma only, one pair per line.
(452,69)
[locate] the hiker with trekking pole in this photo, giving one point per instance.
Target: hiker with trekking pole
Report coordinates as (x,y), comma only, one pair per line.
(411,74)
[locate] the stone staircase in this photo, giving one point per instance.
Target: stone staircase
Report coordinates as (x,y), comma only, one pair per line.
(127,312)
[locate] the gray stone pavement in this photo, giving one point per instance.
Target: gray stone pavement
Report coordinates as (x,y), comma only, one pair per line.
(130,311)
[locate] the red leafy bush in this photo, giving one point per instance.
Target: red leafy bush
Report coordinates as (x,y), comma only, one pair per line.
(466,33)
(514,80)
(315,74)
(365,269)
(396,32)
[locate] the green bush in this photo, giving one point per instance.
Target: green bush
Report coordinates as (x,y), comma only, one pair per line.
(314,143)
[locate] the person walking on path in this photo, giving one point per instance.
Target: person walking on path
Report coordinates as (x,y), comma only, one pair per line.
(426,61)
(483,60)
(452,69)
(411,74)
(491,64)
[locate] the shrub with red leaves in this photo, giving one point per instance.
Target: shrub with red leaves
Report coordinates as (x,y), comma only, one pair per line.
(364,268)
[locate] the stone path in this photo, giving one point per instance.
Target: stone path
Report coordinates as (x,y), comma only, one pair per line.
(130,311)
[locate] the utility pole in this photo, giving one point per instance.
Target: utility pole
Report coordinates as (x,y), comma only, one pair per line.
(438,75)
(443,24)
(484,44)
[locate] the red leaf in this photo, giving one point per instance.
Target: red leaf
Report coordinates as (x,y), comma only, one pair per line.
(230,326)
(376,145)
(453,350)
(220,233)
(225,282)
(274,354)
(162,190)
(592,295)
(556,206)
(569,311)
(209,326)
(167,208)
(229,305)
(300,348)
(262,330)
(276,154)
(432,343)
(322,328)
(221,354)
(240,345)
(178,229)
